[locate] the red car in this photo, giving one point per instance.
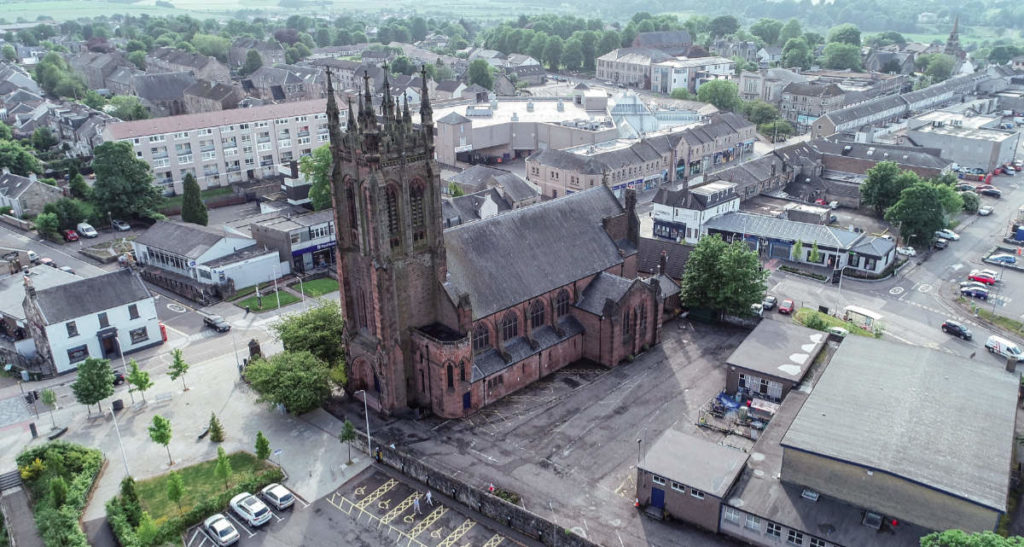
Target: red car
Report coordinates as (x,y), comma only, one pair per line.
(982,277)
(786,306)
(70,235)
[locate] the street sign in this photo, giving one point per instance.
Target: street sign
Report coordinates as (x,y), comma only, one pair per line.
(278,452)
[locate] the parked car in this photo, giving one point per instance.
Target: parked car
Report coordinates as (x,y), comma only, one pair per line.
(786,307)
(33,256)
(47,262)
(120,225)
(217,323)
(941,243)
(991,192)
(973,292)
(983,187)
(278,496)
(906,251)
(1003,258)
(963,187)
(220,530)
(1009,171)
(253,511)
(86,230)
(70,235)
(67,269)
(118,378)
(838,332)
(956,329)
(982,277)
(1004,347)
(946,233)
(769,302)
(985,210)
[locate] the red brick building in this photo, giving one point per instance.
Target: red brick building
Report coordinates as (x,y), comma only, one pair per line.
(452,320)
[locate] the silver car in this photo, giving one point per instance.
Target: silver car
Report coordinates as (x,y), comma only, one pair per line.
(220,530)
(278,496)
(253,511)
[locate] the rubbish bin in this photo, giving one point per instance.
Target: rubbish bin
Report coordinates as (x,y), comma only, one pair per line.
(118,405)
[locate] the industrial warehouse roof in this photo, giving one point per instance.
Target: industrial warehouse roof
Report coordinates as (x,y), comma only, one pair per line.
(692,461)
(926,416)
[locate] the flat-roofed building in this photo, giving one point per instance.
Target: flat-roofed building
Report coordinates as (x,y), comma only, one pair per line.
(772,360)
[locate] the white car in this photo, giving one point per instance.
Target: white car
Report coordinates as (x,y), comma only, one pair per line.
(906,251)
(985,210)
(86,230)
(278,496)
(220,530)
(250,509)
(946,233)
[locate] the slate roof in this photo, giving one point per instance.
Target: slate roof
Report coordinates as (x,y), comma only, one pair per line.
(489,362)
(162,87)
(785,230)
(695,462)
(904,155)
(510,258)
(12,287)
(189,240)
(636,55)
(13,186)
(604,287)
(453,118)
(813,90)
(933,418)
(209,90)
(649,257)
(662,39)
(865,109)
(186,122)
(779,349)
(466,208)
(585,165)
(875,247)
(91,295)
(182,58)
(448,85)
(478,177)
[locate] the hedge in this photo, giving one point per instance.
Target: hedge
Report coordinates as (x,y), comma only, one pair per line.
(79,466)
(172,529)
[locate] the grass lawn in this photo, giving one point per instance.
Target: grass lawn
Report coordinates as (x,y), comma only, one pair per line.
(200,483)
(805,315)
(1007,323)
(269,301)
(174,202)
(317,287)
(251,289)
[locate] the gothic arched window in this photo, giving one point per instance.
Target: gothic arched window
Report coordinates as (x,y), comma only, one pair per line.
(562,303)
(394,222)
(481,338)
(509,326)
(537,314)
(416,213)
(451,376)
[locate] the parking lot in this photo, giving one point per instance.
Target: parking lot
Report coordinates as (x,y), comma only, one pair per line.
(196,536)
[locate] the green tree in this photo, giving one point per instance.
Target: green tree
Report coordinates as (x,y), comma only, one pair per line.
(50,399)
(723,25)
(952,201)
(253,62)
(5,132)
(572,54)
(175,488)
(884,184)
(814,256)
(536,47)
(94,100)
(18,159)
(318,330)
(609,41)
(760,112)
(138,378)
(480,74)
(43,139)
(553,53)
(790,31)
(124,183)
(160,432)
(724,277)
(212,46)
(128,108)
(262,446)
(842,56)
(682,94)
(940,68)
(846,33)
(193,210)
(79,188)
(216,429)
(455,190)
(959,538)
(70,212)
(798,250)
(95,382)
(58,491)
(316,167)
(9,53)
(767,30)
(403,65)
(130,501)
(138,58)
(724,94)
(971,202)
(919,211)
(147,531)
(298,380)
(348,434)
(47,225)
(223,469)
(178,367)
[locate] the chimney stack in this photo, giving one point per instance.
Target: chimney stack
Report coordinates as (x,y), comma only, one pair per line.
(633,233)
(295,169)
(662,262)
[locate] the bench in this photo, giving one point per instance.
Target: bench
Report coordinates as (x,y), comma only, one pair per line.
(163,397)
(57,435)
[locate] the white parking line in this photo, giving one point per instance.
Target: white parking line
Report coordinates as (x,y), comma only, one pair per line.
(238,522)
(201,533)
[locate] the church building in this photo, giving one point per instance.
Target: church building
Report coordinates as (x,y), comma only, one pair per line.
(449,321)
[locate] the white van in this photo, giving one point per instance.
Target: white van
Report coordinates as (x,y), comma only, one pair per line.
(1004,347)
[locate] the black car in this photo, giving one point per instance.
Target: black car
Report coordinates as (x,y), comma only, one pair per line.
(217,323)
(956,329)
(769,302)
(991,192)
(118,378)
(974,292)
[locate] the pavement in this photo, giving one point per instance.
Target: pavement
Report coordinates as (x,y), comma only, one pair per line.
(17,515)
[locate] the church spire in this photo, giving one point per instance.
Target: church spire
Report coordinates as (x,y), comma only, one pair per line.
(386,105)
(333,115)
(426,112)
(353,126)
(406,116)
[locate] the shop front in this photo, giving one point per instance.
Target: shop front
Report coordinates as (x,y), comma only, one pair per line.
(312,258)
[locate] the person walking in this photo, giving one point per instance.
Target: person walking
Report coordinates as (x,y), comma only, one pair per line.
(416,505)
(430,499)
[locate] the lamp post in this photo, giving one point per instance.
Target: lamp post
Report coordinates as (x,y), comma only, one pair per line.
(124,456)
(276,293)
(366,414)
(124,367)
(302,292)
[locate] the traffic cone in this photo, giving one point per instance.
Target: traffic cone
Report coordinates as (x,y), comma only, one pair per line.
(636,503)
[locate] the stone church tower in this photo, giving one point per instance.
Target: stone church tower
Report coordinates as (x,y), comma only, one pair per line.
(385,187)
(953,48)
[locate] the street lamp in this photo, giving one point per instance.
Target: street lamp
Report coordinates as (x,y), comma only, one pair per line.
(366,414)
(124,367)
(276,293)
(124,456)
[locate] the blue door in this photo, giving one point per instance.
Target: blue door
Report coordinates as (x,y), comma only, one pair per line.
(467,400)
(658,498)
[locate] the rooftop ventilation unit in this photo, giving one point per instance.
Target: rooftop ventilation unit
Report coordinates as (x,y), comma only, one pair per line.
(809,494)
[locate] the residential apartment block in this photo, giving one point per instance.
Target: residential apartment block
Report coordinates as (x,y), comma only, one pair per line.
(689,74)
(629,66)
(804,103)
(219,148)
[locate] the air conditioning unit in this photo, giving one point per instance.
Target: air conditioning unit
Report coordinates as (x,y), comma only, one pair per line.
(809,494)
